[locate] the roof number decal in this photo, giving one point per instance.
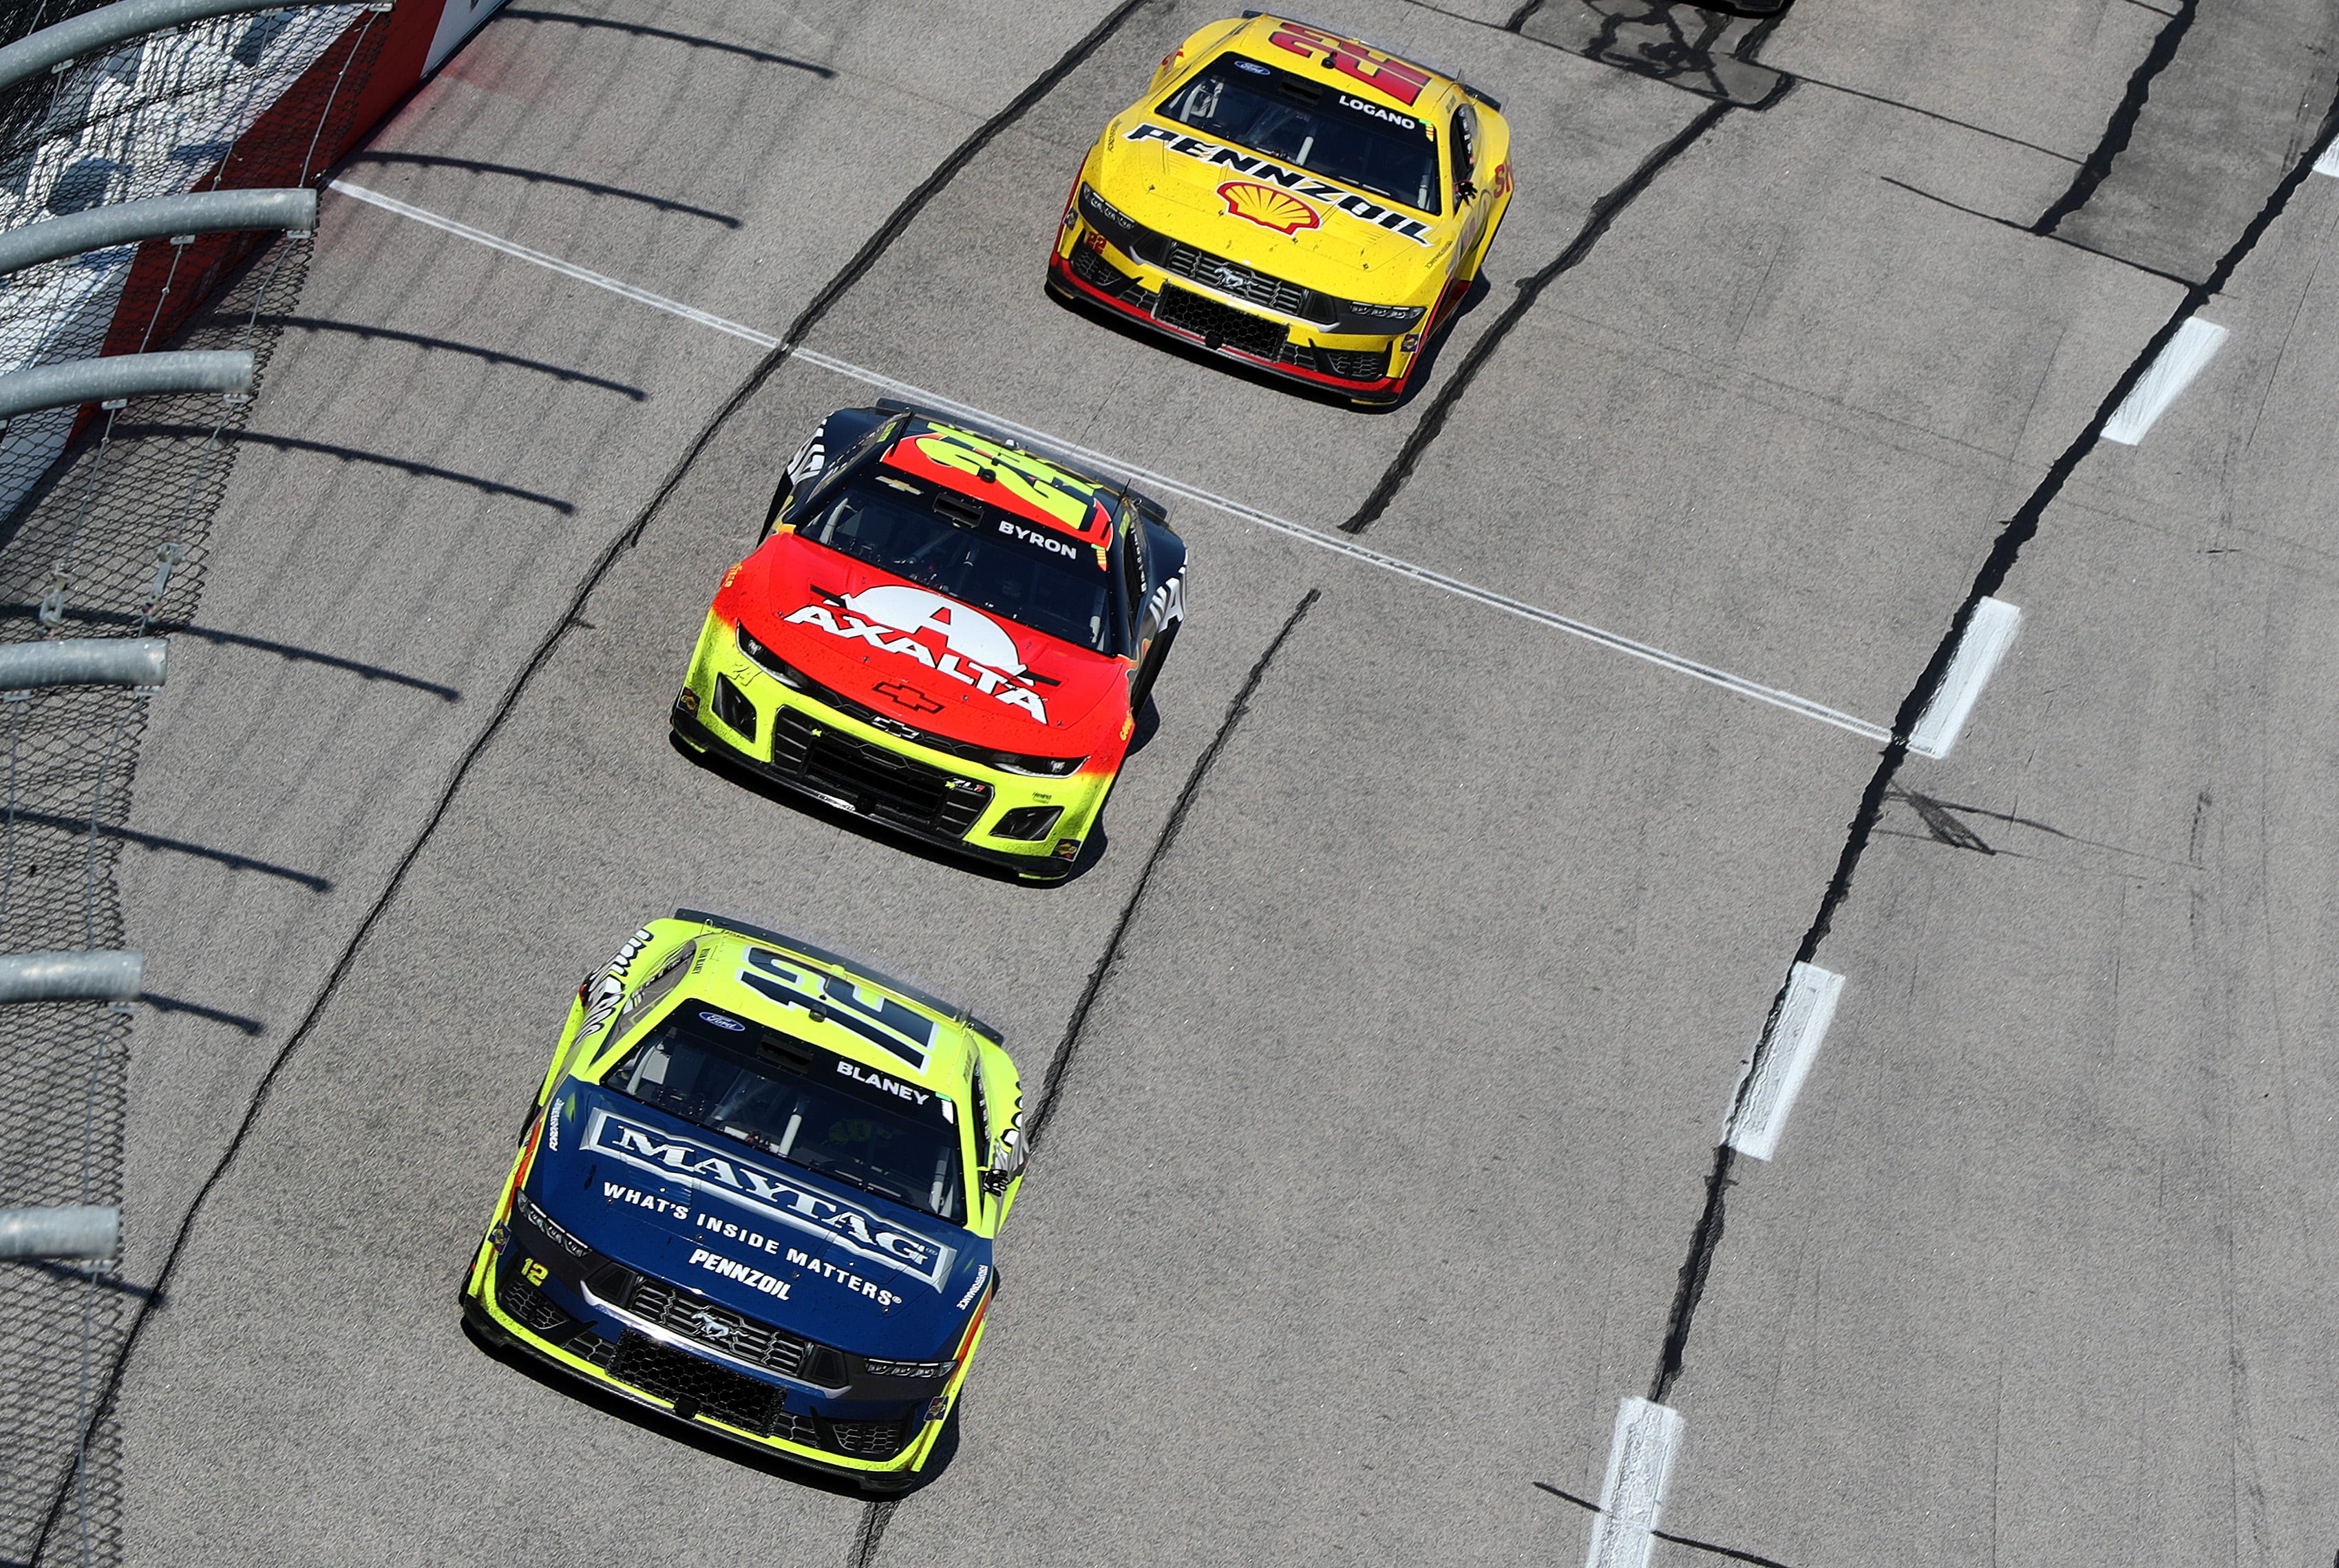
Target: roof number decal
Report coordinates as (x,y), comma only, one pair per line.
(892,1028)
(1400,81)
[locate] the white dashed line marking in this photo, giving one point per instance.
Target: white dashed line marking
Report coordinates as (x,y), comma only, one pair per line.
(1989,634)
(1612,641)
(2187,354)
(1783,1059)
(1632,1498)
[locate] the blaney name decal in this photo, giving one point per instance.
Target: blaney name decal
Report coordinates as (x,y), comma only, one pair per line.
(721,1172)
(1297,181)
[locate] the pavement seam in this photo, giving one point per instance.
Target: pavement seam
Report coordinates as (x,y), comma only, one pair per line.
(2005,552)
(2121,126)
(873,1520)
(1059,1064)
(1605,213)
(810,317)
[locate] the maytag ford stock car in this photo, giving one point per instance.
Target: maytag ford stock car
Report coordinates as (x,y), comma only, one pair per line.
(1304,202)
(759,1190)
(943,631)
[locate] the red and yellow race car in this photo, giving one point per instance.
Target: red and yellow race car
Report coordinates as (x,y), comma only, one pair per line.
(1306,203)
(943,631)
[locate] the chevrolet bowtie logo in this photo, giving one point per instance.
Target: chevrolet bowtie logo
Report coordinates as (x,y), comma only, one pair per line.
(909,696)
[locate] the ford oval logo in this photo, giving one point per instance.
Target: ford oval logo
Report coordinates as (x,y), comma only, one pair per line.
(719,1021)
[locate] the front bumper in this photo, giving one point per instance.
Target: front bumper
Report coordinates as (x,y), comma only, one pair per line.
(560,1328)
(816,750)
(1087,266)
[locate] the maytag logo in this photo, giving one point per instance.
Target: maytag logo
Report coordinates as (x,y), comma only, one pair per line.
(710,1168)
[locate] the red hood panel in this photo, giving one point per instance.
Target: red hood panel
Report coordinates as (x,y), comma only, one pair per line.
(938,664)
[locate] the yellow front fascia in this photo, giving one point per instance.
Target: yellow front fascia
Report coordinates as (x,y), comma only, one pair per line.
(1081,795)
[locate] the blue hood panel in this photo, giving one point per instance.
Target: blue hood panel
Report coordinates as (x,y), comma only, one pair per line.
(760,1236)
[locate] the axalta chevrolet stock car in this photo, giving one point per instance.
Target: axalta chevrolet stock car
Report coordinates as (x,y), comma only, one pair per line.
(944,631)
(1303,202)
(759,1190)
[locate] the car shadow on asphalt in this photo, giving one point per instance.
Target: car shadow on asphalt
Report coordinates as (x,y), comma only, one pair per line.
(1092,852)
(1425,372)
(691,1435)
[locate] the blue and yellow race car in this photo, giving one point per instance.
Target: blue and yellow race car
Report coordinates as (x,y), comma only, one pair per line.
(758,1191)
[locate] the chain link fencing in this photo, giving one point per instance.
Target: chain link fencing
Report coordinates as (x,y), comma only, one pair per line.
(106,514)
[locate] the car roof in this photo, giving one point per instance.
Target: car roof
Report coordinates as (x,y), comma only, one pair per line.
(950,1031)
(1256,38)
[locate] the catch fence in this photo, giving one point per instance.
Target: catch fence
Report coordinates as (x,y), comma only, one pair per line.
(105,513)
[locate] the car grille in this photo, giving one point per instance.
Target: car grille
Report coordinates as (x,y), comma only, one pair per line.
(1254,335)
(877,782)
(870,1439)
(1093,269)
(735,1334)
(698,1388)
(1348,364)
(525,1305)
(1234,278)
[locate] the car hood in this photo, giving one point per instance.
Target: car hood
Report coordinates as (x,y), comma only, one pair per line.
(757,1234)
(910,653)
(1223,199)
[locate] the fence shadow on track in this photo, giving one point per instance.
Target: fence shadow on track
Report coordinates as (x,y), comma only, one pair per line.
(540,177)
(695,40)
(486,355)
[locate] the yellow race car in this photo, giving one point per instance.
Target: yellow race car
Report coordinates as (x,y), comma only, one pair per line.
(758,1191)
(1306,203)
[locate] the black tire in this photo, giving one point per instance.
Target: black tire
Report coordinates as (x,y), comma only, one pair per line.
(1143,690)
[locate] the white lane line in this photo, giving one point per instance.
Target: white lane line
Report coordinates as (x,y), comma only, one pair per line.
(1356,552)
(1989,633)
(1782,1060)
(1633,1497)
(1233,509)
(2186,356)
(567,269)
(2329,162)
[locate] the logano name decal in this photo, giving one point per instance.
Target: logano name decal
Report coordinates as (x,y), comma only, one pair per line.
(721,1172)
(1299,181)
(979,651)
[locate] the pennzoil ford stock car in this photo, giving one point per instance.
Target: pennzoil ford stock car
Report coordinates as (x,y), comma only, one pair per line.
(943,631)
(758,1189)
(1306,203)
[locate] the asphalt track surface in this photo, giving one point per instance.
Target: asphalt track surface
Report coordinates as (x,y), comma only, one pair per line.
(1388,1039)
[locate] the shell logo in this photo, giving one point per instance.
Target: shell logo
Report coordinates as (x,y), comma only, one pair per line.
(1268,207)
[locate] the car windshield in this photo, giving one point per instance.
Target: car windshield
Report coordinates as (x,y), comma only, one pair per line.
(1240,100)
(794,1101)
(954,545)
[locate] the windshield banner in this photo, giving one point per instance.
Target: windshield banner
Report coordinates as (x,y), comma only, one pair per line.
(719,1170)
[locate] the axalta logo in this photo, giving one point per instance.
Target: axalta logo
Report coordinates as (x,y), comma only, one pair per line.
(707,1169)
(980,653)
(1361,208)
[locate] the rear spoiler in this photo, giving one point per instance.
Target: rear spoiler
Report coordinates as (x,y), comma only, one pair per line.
(1146,505)
(1488,99)
(850,967)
